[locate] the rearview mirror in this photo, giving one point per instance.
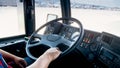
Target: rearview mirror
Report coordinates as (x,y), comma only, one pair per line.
(51,17)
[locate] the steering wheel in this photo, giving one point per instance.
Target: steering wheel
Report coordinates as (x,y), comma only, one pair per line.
(54,40)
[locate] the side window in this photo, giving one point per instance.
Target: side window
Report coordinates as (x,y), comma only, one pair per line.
(11,18)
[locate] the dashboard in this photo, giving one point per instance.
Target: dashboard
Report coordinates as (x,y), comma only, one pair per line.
(96,47)
(101,47)
(110,50)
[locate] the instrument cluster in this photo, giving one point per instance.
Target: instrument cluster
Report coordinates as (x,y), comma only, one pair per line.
(64,30)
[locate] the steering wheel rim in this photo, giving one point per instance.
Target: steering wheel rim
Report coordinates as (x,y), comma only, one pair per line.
(77,42)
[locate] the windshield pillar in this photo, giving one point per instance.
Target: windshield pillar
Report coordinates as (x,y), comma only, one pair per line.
(66,9)
(29,10)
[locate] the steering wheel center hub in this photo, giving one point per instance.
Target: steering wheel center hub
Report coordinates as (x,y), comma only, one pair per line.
(53,37)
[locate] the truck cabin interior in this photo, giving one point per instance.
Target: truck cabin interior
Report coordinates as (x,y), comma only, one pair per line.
(86,31)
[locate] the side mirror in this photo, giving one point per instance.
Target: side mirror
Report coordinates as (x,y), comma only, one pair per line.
(51,17)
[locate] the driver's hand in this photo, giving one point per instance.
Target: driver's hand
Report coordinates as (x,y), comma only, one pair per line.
(52,53)
(44,60)
(20,62)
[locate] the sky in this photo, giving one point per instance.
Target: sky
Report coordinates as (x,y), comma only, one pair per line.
(109,3)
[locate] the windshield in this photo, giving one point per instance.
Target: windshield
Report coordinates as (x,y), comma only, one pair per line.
(98,15)
(45,7)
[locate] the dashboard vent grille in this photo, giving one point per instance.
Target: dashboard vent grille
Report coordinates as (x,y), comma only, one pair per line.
(107,39)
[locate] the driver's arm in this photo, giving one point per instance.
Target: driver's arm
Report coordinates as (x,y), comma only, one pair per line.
(44,60)
(17,60)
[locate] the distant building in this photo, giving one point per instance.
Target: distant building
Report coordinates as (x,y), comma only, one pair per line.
(8,2)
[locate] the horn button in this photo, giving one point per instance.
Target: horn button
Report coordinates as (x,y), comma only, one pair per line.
(53,37)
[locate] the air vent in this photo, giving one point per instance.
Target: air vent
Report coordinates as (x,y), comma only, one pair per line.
(107,39)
